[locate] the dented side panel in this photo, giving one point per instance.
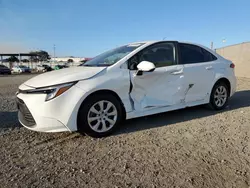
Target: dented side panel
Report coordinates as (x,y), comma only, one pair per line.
(159,88)
(200,76)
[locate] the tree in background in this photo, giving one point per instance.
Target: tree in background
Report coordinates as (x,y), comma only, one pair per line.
(25,60)
(39,56)
(70,60)
(12,59)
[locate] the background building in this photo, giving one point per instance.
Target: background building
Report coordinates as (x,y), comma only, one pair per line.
(32,59)
(240,55)
(66,59)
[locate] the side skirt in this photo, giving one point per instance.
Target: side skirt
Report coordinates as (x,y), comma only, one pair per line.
(135,114)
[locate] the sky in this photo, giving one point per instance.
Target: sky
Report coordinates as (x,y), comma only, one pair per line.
(85,28)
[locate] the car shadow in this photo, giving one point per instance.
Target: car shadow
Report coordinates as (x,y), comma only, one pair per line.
(240,99)
(9,120)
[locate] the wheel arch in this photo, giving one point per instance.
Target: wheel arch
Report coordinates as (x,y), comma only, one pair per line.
(103,92)
(226,81)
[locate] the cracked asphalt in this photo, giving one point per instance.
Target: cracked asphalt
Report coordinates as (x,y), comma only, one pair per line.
(194,147)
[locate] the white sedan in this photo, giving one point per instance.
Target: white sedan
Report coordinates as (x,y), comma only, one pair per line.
(20,69)
(130,81)
(40,68)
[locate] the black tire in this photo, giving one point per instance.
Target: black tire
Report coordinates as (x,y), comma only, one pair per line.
(82,120)
(212,103)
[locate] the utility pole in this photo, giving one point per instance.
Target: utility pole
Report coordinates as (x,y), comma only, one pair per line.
(223,49)
(212,45)
(54,48)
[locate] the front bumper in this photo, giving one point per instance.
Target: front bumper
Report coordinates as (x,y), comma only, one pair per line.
(45,124)
(24,115)
(56,115)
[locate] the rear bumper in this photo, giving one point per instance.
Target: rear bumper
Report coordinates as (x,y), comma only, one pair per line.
(233,82)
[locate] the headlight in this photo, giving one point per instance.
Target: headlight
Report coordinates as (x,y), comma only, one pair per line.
(52,91)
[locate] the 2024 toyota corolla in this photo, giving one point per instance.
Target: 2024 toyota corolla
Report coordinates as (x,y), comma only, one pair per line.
(130,81)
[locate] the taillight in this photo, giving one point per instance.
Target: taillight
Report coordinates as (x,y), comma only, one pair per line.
(232,65)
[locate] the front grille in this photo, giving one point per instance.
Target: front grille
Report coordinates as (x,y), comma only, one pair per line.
(24,114)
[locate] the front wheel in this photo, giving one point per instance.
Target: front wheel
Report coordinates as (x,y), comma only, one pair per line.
(99,115)
(219,96)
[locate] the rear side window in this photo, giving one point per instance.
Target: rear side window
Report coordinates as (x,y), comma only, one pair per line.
(208,56)
(194,54)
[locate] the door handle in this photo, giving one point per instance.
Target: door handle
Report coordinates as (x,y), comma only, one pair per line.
(177,72)
(209,68)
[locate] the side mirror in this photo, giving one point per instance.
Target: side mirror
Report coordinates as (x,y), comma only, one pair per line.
(145,66)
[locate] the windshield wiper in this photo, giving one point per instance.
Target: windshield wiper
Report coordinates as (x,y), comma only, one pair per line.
(98,65)
(103,65)
(89,65)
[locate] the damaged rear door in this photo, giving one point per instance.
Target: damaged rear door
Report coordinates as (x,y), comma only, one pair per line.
(199,65)
(162,87)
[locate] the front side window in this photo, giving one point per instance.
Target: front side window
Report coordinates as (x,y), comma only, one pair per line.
(162,54)
(194,54)
(111,57)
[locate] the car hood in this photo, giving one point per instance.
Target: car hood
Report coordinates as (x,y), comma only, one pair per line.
(63,76)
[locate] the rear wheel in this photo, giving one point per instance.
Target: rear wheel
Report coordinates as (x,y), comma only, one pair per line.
(99,115)
(219,96)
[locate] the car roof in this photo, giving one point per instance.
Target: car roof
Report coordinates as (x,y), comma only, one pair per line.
(156,41)
(185,42)
(147,43)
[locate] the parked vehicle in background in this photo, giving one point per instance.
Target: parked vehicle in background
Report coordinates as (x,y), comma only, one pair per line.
(40,68)
(130,81)
(47,68)
(43,68)
(84,61)
(57,67)
(4,70)
(21,69)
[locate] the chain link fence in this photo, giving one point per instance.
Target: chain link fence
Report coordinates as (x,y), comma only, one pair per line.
(33,65)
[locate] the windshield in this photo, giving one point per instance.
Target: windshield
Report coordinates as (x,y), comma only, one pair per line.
(22,66)
(111,57)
